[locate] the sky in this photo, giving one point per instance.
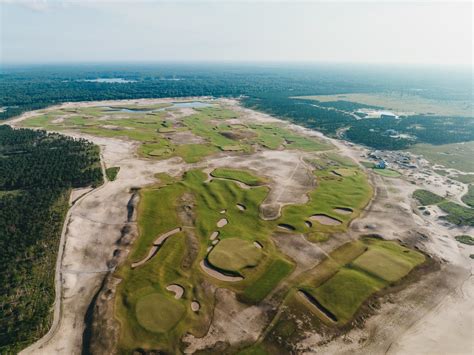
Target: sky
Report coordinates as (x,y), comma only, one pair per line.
(426,33)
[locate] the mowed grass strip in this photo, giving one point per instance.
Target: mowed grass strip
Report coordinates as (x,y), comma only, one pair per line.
(273,275)
(388,263)
(158,313)
(234,254)
(238,175)
(345,292)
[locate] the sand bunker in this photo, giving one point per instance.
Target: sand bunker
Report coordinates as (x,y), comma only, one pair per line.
(241,207)
(222,222)
(308,224)
(325,219)
(223,211)
(343,210)
(195,306)
(218,275)
(287,227)
(214,235)
(156,246)
(258,245)
(177,289)
(314,302)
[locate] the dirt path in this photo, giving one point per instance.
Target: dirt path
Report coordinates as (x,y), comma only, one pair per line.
(58,274)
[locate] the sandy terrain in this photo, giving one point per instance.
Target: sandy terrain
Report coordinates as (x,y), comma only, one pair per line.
(415,320)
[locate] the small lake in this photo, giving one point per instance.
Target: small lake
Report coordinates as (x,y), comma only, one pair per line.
(190,104)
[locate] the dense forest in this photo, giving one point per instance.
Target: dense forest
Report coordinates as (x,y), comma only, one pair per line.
(270,88)
(37,171)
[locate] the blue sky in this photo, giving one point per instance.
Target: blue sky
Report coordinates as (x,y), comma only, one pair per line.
(312,31)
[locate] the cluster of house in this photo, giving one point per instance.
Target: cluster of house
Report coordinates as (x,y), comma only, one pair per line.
(383,159)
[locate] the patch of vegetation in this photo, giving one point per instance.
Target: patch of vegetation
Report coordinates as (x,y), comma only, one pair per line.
(465,239)
(112,172)
(238,175)
(427,198)
(457,214)
(468,198)
(37,171)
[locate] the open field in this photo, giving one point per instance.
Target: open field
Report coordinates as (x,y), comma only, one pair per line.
(399,102)
(455,156)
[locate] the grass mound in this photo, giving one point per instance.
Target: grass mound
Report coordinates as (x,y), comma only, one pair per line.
(238,175)
(234,254)
(158,313)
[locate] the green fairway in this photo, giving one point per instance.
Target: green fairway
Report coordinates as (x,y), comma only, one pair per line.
(344,293)
(177,260)
(387,263)
(261,287)
(350,191)
(158,313)
(354,272)
(234,254)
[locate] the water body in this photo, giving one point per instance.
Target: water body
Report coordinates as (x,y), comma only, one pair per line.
(109,80)
(190,104)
